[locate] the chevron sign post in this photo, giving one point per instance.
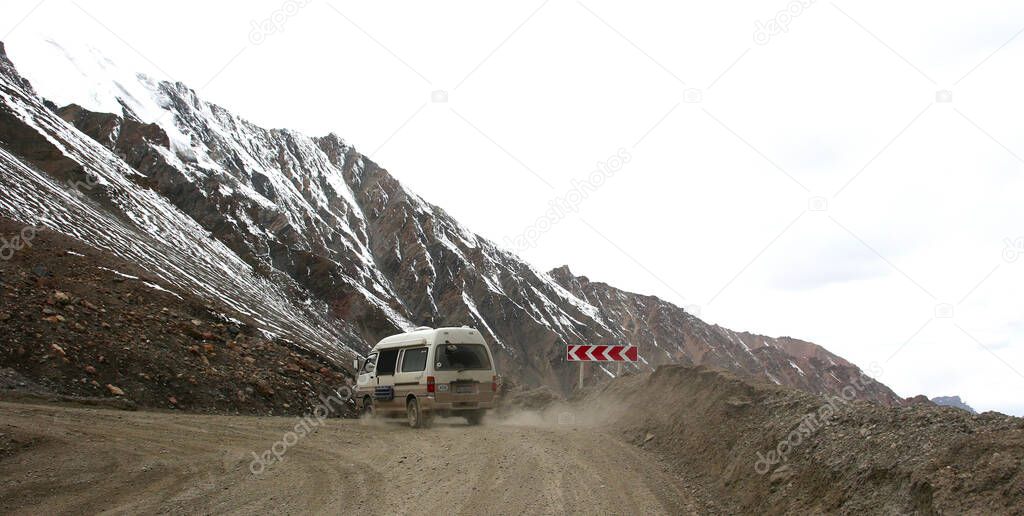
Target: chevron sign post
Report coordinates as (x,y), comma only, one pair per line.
(586,353)
(583,353)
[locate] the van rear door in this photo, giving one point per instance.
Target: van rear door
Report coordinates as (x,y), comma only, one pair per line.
(464,374)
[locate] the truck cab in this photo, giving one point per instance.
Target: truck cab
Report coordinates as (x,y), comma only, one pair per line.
(447,372)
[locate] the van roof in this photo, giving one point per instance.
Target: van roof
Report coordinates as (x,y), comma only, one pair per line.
(422,335)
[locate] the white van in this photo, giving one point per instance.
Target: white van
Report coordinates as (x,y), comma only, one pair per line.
(428,372)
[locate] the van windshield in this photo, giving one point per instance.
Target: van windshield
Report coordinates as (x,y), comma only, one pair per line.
(461,357)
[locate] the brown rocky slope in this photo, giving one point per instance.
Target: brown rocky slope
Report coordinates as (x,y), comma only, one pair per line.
(81,325)
(769,449)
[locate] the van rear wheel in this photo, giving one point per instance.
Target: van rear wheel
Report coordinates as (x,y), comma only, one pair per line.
(368,410)
(417,418)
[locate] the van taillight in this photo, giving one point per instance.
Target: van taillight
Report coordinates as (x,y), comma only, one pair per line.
(430,384)
(494,384)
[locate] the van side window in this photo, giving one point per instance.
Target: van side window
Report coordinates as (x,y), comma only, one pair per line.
(386,362)
(414,360)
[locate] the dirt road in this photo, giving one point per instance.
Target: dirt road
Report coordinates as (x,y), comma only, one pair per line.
(86,460)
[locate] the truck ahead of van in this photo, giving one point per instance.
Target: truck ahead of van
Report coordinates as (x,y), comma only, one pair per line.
(447,372)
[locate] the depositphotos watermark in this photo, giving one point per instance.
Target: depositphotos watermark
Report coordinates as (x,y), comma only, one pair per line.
(569,202)
(88,183)
(274,23)
(766,30)
(304,426)
(1013,249)
(20,240)
(814,421)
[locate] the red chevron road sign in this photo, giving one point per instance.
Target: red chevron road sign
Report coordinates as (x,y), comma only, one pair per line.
(588,353)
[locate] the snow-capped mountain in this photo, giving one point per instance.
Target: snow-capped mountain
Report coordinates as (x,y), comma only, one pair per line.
(315,243)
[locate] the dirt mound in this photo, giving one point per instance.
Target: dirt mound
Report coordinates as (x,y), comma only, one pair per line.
(776,450)
(80,324)
(514,396)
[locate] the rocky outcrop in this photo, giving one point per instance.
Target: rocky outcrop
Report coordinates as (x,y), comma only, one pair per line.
(81,325)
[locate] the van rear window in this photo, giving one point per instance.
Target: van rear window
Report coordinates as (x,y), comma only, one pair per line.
(461,357)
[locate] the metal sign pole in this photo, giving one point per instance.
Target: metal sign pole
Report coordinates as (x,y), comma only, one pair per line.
(583,353)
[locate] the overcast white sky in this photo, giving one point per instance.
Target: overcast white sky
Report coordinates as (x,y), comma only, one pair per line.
(733,135)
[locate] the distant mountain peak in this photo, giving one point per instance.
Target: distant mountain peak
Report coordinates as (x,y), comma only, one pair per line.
(953,401)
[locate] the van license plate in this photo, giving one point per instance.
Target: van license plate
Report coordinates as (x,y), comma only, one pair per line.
(465,389)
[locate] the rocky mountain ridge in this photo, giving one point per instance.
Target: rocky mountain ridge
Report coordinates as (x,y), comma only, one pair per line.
(317,245)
